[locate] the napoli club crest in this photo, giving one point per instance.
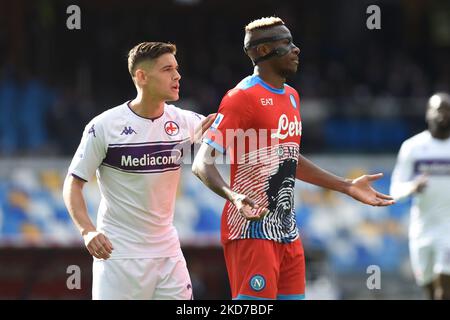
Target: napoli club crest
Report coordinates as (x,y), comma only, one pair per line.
(257,282)
(171,128)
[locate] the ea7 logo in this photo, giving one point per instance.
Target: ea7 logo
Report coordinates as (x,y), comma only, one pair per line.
(267,101)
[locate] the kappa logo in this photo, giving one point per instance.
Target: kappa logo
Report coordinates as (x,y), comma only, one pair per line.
(171,128)
(92,130)
(257,282)
(127,131)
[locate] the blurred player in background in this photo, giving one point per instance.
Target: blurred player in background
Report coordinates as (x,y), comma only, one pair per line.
(135,151)
(262,247)
(423,170)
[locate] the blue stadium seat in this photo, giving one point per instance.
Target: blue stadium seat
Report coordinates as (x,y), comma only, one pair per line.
(208,220)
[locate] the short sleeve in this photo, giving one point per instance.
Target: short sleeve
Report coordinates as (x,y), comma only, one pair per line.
(193,121)
(234,113)
(90,152)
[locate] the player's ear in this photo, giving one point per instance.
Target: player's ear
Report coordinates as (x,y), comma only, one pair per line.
(252,53)
(140,76)
(263,49)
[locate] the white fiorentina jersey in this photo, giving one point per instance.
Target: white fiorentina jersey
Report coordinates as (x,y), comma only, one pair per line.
(137,163)
(430,212)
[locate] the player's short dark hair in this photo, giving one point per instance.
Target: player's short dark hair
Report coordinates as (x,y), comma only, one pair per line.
(264,23)
(148,51)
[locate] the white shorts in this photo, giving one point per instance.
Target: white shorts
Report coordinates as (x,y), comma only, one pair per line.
(429,259)
(141,279)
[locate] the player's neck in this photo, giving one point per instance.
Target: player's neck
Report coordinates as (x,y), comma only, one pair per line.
(440,135)
(270,77)
(147,107)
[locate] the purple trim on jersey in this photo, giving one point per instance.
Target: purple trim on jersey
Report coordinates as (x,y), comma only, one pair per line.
(148,143)
(433,167)
(145,158)
(142,171)
(152,119)
(78,177)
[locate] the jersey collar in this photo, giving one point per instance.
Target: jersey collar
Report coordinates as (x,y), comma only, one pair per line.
(152,119)
(268,87)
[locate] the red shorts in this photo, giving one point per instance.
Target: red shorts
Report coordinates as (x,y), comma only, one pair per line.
(265,269)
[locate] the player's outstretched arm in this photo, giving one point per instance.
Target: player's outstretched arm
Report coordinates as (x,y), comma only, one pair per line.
(205,169)
(97,243)
(359,188)
(400,190)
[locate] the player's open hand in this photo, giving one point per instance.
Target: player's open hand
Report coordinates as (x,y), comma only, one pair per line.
(204,125)
(248,208)
(98,245)
(361,190)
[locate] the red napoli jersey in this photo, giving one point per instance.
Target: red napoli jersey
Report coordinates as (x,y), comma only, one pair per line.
(260,129)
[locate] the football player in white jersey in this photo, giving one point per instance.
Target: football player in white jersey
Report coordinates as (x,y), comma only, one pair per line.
(135,150)
(423,170)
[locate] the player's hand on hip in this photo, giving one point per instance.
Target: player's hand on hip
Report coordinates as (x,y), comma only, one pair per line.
(361,190)
(98,245)
(203,126)
(248,208)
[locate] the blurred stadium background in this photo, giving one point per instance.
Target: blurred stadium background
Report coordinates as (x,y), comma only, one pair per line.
(362,93)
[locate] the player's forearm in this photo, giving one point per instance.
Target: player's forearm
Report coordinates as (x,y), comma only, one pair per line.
(211,177)
(401,190)
(311,173)
(76,205)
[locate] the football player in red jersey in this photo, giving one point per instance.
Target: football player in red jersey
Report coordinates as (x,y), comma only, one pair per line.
(259,124)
